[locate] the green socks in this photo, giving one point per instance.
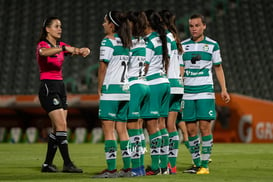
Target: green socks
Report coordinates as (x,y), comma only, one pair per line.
(155,145)
(173,147)
(194,144)
(143,147)
(164,150)
(125,147)
(135,140)
(110,149)
(207,142)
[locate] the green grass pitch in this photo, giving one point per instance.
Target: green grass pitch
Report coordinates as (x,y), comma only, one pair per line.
(230,162)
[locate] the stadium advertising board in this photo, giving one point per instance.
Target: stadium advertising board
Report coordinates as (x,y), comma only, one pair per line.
(246,120)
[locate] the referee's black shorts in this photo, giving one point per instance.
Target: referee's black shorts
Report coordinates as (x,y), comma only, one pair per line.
(52,95)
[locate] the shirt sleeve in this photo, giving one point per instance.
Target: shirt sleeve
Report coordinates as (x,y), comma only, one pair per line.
(106,50)
(43,44)
(216,55)
(149,52)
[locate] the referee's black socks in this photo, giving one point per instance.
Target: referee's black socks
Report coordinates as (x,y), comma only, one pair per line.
(51,148)
(61,137)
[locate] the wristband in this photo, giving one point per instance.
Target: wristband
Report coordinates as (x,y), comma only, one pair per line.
(63,48)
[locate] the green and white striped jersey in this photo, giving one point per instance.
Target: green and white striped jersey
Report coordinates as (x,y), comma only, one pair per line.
(199,57)
(155,74)
(136,62)
(174,66)
(115,84)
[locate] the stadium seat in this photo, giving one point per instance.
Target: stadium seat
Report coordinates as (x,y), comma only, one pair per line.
(3,134)
(31,135)
(80,135)
(83,28)
(97,135)
(16,135)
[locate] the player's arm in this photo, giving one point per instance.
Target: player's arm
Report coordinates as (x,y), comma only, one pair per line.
(182,71)
(101,75)
(50,51)
(221,79)
(72,50)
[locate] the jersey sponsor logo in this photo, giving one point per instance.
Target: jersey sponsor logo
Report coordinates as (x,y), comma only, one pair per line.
(112,114)
(190,73)
(196,72)
(154,112)
(135,113)
(195,58)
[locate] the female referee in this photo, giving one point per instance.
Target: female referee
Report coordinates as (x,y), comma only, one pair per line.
(50,54)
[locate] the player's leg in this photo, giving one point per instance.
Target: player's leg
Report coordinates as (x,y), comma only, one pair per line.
(175,107)
(152,124)
(110,141)
(164,149)
(189,116)
(125,144)
(138,93)
(206,113)
(155,145)
(135,140)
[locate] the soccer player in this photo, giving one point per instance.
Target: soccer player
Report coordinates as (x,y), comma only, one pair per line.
(201,54)
(175,72)
(113,90)
(156,65)
(139,92)
(50,55)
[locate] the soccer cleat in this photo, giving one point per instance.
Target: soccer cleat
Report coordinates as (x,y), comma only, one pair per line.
(203,170)
(142,169)
(172,170)
(126,173)
(164,171)
(71,168)
(107,174)
(210,160)
(47,168)
(192,170)
(150,172)
(138,171)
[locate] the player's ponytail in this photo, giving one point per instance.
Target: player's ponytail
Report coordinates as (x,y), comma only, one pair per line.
(139,22)
(122,27)
(157,25)
(169,19)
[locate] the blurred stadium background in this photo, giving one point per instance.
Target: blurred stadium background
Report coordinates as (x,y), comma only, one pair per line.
(243,29)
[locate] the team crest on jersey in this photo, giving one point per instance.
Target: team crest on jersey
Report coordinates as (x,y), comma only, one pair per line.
(56,101)
(206,47)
